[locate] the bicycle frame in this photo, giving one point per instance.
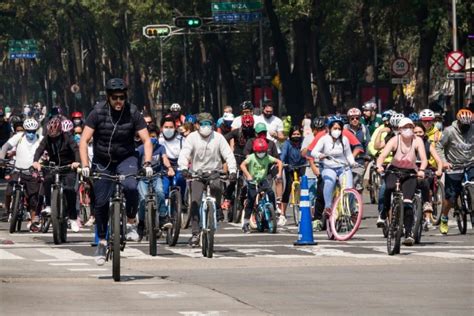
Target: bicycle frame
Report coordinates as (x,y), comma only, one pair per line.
(207,197)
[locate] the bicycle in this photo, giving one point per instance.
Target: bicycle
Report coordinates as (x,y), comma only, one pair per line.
(419,216)
(374,183)
(395,218)
(263,212)
(437,198)
(207,211)
(345,216)
(239,195)
(84,199)
(174,203)
(464,203)
(295,194)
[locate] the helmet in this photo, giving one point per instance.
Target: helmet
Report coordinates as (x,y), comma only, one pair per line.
(260,127)
(345,119)
(260,145)
(464,116)
(395,119)
(369,106)
(319,122)
(54,127)
(228,117)
(247,121)
(386,115)
(67,126)
(116,84)
(354,112)
(427,115)
(334,119)
(246,105)
(414,117)
(175,107)
(190,118)
(30,124)
(76,115)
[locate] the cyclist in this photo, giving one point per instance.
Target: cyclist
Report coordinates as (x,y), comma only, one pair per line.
(175,111)
(224,124)
(255,169)
(261,132)
(76,118)
(113,123)
(336,146)
(406,147)
(370,118)
(427,118)
(456,149)
(274,124)
(306,124)
(291,155)
(63,151)
(26,144)
(204,150)
(246,107)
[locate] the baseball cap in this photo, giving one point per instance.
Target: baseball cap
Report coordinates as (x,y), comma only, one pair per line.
(260,127)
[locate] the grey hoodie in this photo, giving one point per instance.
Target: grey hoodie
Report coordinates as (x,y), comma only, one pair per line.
(456,148)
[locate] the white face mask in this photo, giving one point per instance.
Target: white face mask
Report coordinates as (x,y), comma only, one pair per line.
(336,133)
(168,132)
(205,130)
(406,132)
(261,155)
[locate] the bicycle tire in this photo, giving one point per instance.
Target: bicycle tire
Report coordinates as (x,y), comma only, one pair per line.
(62,218)
(85,213)
(296,214)
(115,236)
(395,227)
(211,212)
(343,225)
(418,211)
(45,225)
(186,216)
(175,217)
(15,212)
(151,227)
(270,218)
(461,220)
(438,199)
(55,216)
(257,215)
(375,187)
(237,206)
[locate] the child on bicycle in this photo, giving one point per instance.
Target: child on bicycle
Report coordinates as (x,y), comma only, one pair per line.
(255,170)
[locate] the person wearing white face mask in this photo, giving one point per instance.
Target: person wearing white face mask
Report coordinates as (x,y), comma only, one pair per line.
(337,146)
(406,147)
(205,150)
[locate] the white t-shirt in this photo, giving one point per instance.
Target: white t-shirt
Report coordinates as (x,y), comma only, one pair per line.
(237,122)
(25,150)
(274,124)
(172,146)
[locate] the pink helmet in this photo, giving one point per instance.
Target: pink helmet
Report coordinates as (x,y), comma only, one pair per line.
(354,112)
(67,126)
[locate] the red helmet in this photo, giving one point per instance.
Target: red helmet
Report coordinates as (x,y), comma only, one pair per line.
(54,127)
(76,115)
(260,145)
(247,120)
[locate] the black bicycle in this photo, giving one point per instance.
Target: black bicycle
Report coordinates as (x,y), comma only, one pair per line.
(175,216)
(374,183)
(464,203)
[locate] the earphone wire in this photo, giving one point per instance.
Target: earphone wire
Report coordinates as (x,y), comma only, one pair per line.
(111,136)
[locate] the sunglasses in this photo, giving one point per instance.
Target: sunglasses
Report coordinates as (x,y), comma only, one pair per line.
(117,97)
(205,123)
(148,122)
(354,118)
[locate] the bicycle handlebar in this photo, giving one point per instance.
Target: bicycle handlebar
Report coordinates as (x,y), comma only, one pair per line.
(210,175)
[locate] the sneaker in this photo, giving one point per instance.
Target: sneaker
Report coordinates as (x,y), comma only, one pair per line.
(140,230)
(46,211)
(90,222)
(281,221)
(380,222)
(79,222)
(194,240)
(165,223)
(74,226)
(409,240)
(33,227)
(246,228)
(99,255)
(132,232)
(426,225)
(427,207)
(317,225)
(443,225)
(225,205)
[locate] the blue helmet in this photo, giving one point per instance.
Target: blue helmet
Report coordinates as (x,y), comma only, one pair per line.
(386,115)
(190,119)
(333,119)
(414,117)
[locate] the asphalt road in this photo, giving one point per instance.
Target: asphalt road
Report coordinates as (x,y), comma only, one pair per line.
(255,274)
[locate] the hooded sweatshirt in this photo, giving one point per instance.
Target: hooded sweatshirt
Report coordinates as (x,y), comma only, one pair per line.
(457,148)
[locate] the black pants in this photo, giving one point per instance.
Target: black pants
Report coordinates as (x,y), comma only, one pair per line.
(319,202)
(69,181)
(197,189)
(252,194)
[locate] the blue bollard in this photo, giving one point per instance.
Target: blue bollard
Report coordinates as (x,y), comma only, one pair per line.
(305,230)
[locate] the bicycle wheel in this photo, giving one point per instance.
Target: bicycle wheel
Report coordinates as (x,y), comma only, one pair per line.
(151,226)
(346,214)
(438,198)
(374,187)
(45,223)
(55,213)
(257,214)
(271,218)
(85,213)
(237,205)
(395,227)
(15,212)
(175,217)
(63,218)
(186,216)
(211,212)
(115,238)
(461,219)
(418,211)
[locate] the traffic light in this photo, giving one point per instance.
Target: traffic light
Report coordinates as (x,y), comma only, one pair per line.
(189,22)
(157,30)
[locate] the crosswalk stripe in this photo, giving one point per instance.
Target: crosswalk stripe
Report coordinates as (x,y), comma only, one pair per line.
(68,264)
(63,254)
(5,255)
(134,253)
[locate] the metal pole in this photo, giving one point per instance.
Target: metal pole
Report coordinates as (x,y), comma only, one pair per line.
(162,79)
(262,81)
(185,73)
(458,100)
(379,106)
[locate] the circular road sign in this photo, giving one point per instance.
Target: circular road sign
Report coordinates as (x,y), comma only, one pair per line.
(75,88)
(400,67)
(455,61)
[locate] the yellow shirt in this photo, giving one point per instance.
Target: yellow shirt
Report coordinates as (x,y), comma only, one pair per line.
(372,151)
(434,136)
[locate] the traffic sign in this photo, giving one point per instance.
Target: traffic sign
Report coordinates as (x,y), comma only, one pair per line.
(237,17)
(75,88)
(400,67)
(455,61)
(237,11)
(456,75)
(241,6)
(26,49)
(154,30)
(400,80)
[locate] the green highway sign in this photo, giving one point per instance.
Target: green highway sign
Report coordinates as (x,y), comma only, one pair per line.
(27,48)
(236,7)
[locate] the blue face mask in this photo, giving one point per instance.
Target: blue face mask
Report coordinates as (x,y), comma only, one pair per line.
(77,138)
(30,136)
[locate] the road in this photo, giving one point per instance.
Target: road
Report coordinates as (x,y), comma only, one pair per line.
(254,274)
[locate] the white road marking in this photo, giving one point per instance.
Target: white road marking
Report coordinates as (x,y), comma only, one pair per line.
(68,264)
(134,253)
(52,260)
(162,294)
(206,313)
(189,252)
(87,269)
(64,254)
(5,255)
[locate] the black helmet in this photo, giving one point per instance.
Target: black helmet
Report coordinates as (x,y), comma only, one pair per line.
(246,105)
(319,122)
(116,84)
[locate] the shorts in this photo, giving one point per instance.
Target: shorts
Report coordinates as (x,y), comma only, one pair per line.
(453,184)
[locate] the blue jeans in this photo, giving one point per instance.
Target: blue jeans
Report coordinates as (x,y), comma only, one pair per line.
(180,181)
(381,196)
(159,194)
(329,178)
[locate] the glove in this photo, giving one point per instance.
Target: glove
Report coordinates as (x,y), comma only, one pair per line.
(233,177)
(148,171)
(86,172)
(185,173)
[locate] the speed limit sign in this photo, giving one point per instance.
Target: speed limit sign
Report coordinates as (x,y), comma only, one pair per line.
(400,67)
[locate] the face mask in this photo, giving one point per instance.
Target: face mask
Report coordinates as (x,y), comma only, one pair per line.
(336,133)
(439,125)
(30,136)
(267,116)
(205,130)
(77,122)
(406,132)
(168,132)
(296,139)
(464,128)
(261,155)
(77,138)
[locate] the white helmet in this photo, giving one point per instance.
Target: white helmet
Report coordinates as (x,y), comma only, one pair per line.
(354,112)
(369,106)
(67,126)
(395,119)
(30,125)
(427,115)
(175,107)
(228,117)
